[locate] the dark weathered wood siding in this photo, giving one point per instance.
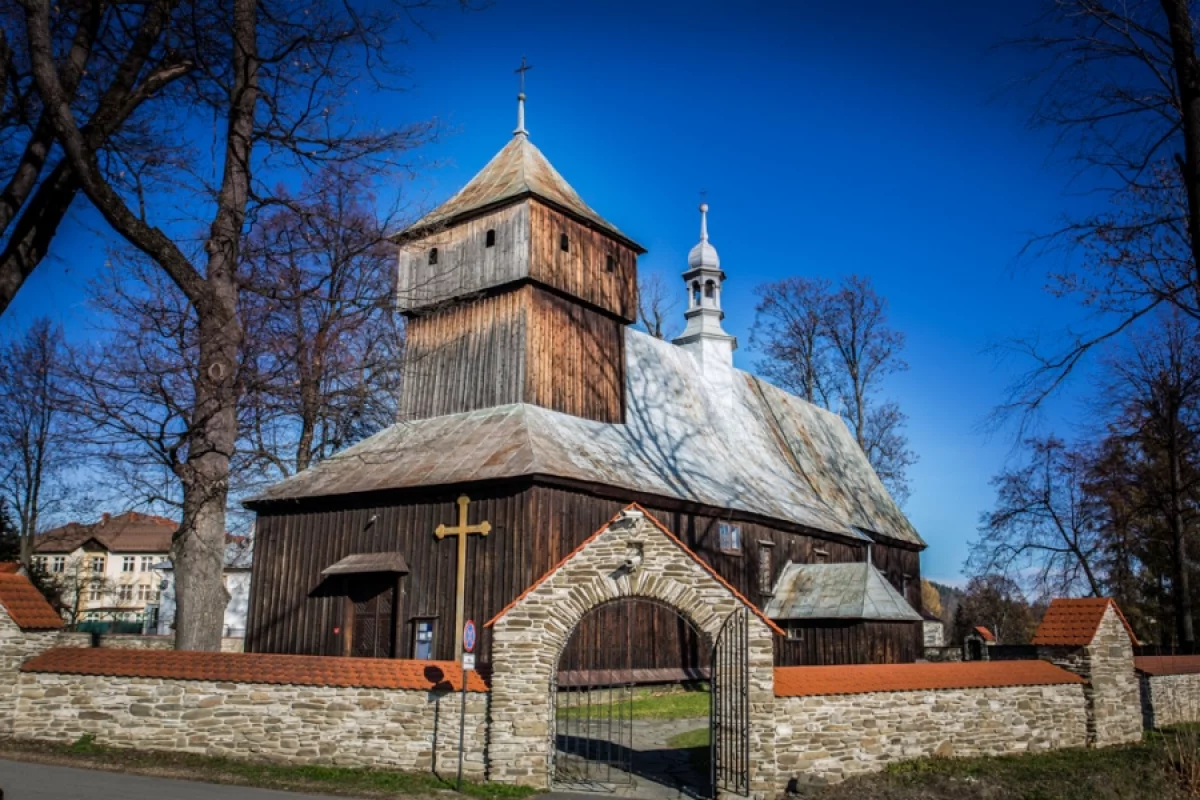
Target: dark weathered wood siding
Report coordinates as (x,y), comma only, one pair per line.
(518,345)
(533,527)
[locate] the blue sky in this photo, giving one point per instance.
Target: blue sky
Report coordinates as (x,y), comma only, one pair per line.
(879,139)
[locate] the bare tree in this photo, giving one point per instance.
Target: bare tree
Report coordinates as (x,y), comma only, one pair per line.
(1121,83)
(833,347)
(1156,386)
(113,60)
(657,307)
(1045,531)
(323,347)
(280,74)
(32,429)
(791,326)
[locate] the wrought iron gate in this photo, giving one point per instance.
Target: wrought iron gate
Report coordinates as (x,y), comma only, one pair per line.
(593,702)
(730,719)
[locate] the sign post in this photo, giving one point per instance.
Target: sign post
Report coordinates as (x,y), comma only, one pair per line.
(468,664)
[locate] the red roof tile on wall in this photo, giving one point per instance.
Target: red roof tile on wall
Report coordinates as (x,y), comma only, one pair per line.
(1167,665)
(26,605)
(187,665)
(1073,621)
(987,635)
(860,679)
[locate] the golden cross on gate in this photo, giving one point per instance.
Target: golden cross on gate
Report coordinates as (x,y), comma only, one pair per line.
(462,531)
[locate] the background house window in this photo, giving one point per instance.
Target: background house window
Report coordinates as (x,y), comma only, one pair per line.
(59,564)
(128,563)
(96,563)
(147,563)
(423,640)
(125,593)
(729,537)
(94,594)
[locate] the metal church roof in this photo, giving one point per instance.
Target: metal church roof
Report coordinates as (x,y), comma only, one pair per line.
(837,591)
(518,170)
(726,439)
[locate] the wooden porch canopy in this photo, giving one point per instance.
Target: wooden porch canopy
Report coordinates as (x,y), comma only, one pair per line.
(367,562)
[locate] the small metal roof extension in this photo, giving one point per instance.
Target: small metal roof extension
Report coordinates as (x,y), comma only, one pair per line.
(837,591)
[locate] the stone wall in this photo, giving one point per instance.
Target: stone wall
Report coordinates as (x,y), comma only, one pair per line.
(530,635)
(393,728)
(1170,699)
(17,647)
(132,641)
(829,738)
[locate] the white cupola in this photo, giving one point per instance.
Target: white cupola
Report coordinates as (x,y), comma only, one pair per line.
(704,337)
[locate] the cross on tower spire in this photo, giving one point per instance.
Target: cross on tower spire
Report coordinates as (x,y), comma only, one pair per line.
(521,70)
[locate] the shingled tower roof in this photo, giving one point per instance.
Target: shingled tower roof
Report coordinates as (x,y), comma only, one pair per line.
(519,170)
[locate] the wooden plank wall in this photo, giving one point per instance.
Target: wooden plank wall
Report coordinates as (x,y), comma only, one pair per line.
(850,643)
(582,270)
(466,356)
(897,562)
(576,359)
(465,263)
(533,527)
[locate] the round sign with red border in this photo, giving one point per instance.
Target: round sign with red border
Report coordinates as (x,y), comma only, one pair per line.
(469,636)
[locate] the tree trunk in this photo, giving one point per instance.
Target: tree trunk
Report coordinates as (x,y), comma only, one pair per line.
(1187,75)
(1183,604)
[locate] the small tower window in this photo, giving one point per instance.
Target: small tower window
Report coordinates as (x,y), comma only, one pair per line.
(433,255)
(710,290)
(491,238)
(696,293)
(564,243)
(610,263)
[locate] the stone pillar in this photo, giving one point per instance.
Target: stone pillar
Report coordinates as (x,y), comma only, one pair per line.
(1114,703)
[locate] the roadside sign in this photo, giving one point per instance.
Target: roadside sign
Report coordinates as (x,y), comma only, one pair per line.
(468,662)
(469,636)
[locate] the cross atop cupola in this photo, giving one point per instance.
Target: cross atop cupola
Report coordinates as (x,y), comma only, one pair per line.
(704,337)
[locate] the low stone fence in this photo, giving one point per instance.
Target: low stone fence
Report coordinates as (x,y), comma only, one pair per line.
(1170,688)
(298,709)
(834,722)
(133,641)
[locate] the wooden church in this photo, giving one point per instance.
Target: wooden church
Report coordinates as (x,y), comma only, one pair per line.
(527,390)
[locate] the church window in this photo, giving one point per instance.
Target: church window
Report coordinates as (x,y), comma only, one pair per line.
(710,290)
(794,633)
(610,263)
(729,538)
(764,568)
(491,238)
(695,293)
(564,243)
(433,255)
(423,640)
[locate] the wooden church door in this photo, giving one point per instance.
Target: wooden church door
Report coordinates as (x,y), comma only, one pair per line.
(371,618)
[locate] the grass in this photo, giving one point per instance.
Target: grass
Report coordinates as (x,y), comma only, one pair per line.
(647,703)
(1141,771)
(349,781)
(689,739)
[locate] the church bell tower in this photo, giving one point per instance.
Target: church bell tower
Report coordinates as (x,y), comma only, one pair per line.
(515,291)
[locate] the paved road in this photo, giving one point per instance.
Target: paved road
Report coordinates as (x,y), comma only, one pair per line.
(21,781)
